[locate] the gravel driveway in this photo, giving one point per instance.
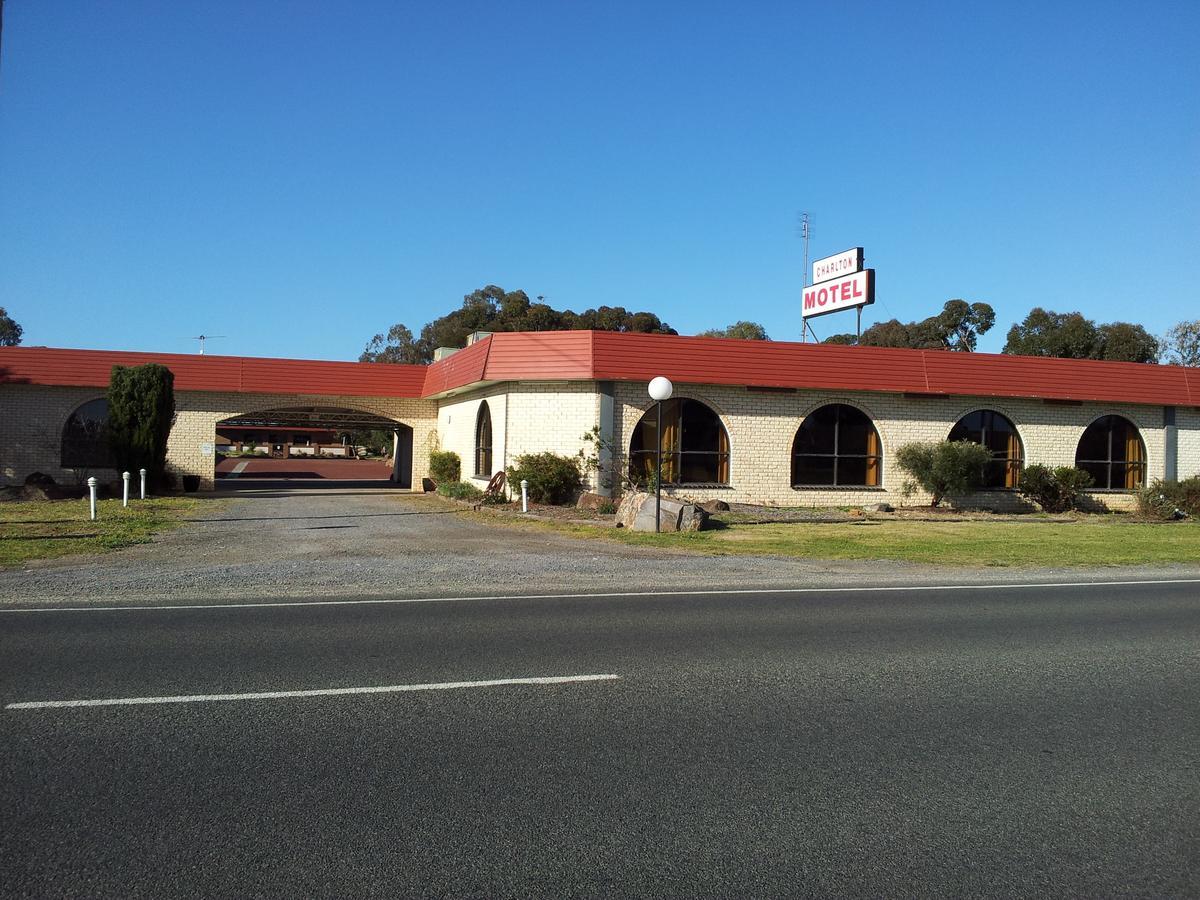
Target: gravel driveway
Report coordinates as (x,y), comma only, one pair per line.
(351,542)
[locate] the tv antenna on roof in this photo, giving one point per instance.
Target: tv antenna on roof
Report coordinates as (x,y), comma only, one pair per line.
(205,337)
(805,233)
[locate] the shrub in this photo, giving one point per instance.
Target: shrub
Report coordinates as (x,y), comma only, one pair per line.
(141,409)
(1164,499)
(459,490)
(444,465)
(552,478)
(1054,490)
(944,468)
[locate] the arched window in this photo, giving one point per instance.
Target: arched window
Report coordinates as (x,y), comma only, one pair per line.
(483,441)
(836,445)
(695,446)
(1112,451)
(85,437)
(996,432)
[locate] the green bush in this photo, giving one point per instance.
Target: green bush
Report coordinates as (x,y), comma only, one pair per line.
(1162,499)
(444,465)
(552,478)
(459,490)
(1054,490)
(945,468)
(141,410)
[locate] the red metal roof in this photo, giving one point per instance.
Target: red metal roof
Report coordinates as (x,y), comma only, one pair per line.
(609,356)
(193,372)
(639,357)
(599,355)
(463,367)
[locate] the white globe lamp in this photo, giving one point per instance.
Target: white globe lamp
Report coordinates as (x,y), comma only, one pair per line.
(660,390)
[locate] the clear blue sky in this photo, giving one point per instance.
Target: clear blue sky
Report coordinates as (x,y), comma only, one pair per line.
(298,176)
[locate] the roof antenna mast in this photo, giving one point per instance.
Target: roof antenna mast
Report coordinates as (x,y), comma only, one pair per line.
(205,337)
(804,235)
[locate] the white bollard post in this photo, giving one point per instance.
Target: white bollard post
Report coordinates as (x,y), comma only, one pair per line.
(91,482)
(524,495)
(125,489)
(143,471)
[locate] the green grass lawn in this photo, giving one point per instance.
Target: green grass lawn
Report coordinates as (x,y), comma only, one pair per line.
(47,528)
(1087,542)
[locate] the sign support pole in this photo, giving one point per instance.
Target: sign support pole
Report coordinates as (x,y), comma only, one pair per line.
(858,326)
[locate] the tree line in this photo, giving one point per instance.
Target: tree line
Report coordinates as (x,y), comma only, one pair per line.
(957,327)
(494,309)
(1042,332)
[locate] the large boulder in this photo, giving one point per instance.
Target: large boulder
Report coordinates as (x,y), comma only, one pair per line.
(637,513)
(714,506)
(588,500)
(628,510)
(39,486)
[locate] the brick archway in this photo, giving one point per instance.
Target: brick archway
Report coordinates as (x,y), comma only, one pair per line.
(192,445)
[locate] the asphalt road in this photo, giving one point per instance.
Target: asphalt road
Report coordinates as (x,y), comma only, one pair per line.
(1001,742)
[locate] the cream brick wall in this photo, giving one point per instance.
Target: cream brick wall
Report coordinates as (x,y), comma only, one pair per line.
(762,426)
(551,417)
(1188,423)
(457,418)
(32,419)
(526,418)
(529,418)
(31,424)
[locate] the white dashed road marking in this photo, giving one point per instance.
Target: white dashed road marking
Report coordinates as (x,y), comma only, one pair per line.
(326,692)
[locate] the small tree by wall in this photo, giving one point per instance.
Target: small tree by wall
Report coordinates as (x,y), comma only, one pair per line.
(944,468)
(141,409)
(445,467)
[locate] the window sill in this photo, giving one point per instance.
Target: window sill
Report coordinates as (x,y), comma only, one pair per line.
(865,488)
(1110,490)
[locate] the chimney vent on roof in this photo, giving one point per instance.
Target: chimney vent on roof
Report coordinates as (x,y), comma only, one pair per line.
(441,353)
(476,336)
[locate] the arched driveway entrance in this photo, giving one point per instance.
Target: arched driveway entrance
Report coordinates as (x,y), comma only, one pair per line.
(314,445)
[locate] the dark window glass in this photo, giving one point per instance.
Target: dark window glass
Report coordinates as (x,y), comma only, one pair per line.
(836,445)
(483,441)
(813,470)
(818,434)
(694,443)
(996,432)
(1094,443)
(85,438)
(1112,450)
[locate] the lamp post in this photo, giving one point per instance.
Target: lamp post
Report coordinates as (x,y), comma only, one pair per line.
(660,390)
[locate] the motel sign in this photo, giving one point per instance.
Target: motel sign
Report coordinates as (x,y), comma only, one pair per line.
(840,282)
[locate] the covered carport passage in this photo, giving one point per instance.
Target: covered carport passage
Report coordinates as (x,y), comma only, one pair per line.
(313,446)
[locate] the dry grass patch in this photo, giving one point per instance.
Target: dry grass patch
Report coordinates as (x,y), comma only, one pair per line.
(43,529)
(1032,542)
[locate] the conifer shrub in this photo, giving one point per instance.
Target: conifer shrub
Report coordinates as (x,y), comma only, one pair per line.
(141,410)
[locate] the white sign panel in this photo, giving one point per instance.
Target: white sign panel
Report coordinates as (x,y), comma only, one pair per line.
(206,449)
(840,293)
(838,266)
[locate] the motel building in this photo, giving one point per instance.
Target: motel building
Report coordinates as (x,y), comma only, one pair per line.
(788,424)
